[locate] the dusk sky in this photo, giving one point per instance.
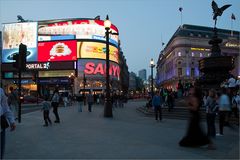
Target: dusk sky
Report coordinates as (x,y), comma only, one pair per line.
(143,24)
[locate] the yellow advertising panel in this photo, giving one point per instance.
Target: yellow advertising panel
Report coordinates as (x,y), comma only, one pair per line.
(60,73)
(96,50)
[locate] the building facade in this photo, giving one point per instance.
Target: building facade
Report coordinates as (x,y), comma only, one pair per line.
(142,74)
(179,59)
(67,53)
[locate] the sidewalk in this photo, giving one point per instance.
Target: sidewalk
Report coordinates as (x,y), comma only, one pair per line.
(128,135)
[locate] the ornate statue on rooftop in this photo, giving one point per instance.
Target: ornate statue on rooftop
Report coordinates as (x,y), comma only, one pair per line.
(215,41)
(215,69)
(218,11)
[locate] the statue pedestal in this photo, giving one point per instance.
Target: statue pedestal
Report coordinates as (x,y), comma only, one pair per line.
(215,70)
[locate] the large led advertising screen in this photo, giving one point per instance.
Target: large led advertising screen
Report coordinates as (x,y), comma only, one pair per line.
(96,50)
(81,28)
(97,68)
(16,33)
(57,51)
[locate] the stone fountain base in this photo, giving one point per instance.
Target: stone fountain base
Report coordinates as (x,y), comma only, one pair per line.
(215,70)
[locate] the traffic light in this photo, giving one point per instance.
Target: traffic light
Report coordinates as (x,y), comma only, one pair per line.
(34,77)
(22,56)
(16,58)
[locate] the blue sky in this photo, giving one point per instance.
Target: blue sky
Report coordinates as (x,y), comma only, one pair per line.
(143,24)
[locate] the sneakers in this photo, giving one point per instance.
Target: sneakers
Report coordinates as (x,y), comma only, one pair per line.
(218,134)
(211,147)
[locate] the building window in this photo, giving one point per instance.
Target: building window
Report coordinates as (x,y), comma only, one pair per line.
(192,72)
(179,71)
(179,54)
(208,54)
(201,55)
(192,63)
(179,62)
(192,54)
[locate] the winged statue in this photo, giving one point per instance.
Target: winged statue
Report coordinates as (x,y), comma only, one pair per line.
(218,11)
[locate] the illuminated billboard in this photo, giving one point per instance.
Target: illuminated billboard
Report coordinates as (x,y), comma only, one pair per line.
(81,28)
(97,68)
(57,51)
(16,33)
(96,50)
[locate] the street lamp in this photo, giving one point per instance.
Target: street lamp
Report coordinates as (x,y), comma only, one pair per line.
(152,65)
(108,104)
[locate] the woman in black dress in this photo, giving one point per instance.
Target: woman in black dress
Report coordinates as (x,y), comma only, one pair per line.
(195,136)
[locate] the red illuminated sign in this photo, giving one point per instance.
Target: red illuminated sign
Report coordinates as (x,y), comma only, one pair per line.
(100,68)
(77,22)
(57,51)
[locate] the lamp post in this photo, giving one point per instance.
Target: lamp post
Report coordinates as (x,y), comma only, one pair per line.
(108,104)
(152,65)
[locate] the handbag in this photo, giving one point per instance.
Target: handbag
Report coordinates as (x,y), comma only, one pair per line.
(4,122)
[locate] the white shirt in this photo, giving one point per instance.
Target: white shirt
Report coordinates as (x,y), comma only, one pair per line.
(231,82)
(4,108)
(224,103)
(237,99)
(238,82)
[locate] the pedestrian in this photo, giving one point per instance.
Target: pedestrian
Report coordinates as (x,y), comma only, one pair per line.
(205,96)
(45,108)
(224,109)
(13,102)
(235,105)
(7,118)
(121,100)
(55,104)
(80,99)
(90,101)
(195,136)
(157,104)
(231,83)
(180,89)
(211,113)
(65,98)
(170,100)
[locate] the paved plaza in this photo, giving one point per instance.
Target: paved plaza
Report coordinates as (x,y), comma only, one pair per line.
(128,135)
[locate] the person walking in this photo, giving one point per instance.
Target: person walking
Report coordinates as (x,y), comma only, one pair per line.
(46,107)
(211,113)
(157,104)
(13,102)
(90,101)
(55,104)
(235,106)
(224,109)
(80,99)
(6,118)
(195,136)
(180,89)
(65,98)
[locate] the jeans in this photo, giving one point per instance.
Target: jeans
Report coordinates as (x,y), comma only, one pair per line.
(222,116)
(158,113)
(46,117)
(80,104)
(211,124)
(55,110)
(90,106)
(3,138)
